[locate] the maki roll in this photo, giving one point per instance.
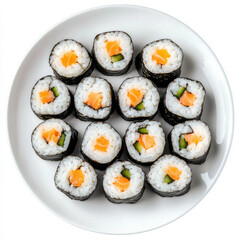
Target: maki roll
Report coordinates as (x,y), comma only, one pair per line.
(138,99)
(145,141)
(190,141)
(54,139)
(70,61)
(123,182)
(101,145)
(183,100)
(113,52)
(76,178)
(93,99)
(169,176)
(50,98)
(160,61)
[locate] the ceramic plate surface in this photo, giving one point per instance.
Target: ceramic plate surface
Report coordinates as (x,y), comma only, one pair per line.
(144,25)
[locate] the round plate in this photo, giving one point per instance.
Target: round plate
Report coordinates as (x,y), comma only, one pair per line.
(152,211)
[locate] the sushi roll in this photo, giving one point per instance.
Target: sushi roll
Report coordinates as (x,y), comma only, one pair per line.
(101,145)
(145,141)
(169,176)
(50,98)
(113,52)
(183,100)
(160,61)
(70,61)
(54,139)
(76,178)
(190,141)
(123,182)
(94,98)
(138,99)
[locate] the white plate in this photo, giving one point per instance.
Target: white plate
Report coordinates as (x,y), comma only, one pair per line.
(144,25)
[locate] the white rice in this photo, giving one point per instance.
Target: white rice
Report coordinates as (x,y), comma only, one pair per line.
(136,181)
(154,129)
(60,103)
(85,87)
(192,151)
(101,53)
(173,62)
(40,144)
(74,70)
(157,173)
(96,130)
(174,105)
(62,176)
(150,100)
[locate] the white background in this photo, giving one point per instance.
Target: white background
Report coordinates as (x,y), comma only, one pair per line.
(22,216)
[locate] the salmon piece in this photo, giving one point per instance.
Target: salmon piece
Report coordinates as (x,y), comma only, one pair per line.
(76,177)
(122,183)
(193,138)
(187,99)
(113,48)
(46,96)
(136,96)
(101,144)
(161,56)
(173,172)
(69,58)
(94,100)
(51,135)
(147,141)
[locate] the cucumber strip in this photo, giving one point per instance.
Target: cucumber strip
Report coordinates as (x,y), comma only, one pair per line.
(182,142)
(138,146)
(140,106)
(167,179)
(117,58)
(126,173)
(61,139)
(180,92)
(143,130)
(55,91)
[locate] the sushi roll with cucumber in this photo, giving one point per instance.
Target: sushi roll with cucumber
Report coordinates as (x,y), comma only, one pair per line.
(145,141)
(94,98)
(76,178)
(190,141)
(160,61)
(113,52)
(123,182)
(101,145)
(54,139)
(70,61)
(170,176)
(183,100)
(50,98)
(138,99)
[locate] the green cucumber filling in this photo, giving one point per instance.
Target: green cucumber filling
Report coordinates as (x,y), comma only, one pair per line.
(140,106)
(138,146)
(182,142)
(143,130)
(55,91)
(180,92)
(167,179)
(117,58)
(126,173)
(61,139)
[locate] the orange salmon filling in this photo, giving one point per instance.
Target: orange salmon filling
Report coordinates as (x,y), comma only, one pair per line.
(193,138)
(173,172)
(161,56)
(76,177)
(187,99)
(101,144)
(147,141)
(51,135)
(113,48)
(94,100)
(46,96)
(136,96)
(69,58)
(122,183)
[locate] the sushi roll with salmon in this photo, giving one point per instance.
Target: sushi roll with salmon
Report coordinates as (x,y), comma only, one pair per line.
(190,141)
(138,99)
(50,98)
(123,182)
(169,176)
(113,52)
(101,145)
(54,139)
(183,100)
(94,98)
(70,61)
(76,178)
(145,141)
(160,61)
